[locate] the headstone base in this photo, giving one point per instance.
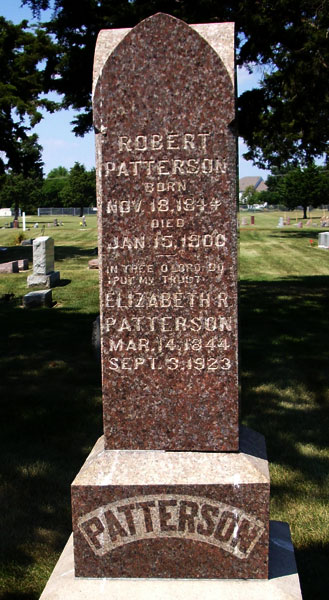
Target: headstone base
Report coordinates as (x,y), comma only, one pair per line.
(283,583)
(50,280)
(173,514)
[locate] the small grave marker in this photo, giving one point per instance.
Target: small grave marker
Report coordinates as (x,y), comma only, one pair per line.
(43,264)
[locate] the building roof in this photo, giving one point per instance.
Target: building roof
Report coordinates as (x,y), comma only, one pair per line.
(257,182)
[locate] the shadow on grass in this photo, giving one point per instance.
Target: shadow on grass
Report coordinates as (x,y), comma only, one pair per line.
(61,253)
(63,282)
(16,253)
(68,252)
(284,359)
(50,398)
(299,234)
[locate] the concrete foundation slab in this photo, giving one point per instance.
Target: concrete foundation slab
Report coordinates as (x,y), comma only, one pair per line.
(282,585)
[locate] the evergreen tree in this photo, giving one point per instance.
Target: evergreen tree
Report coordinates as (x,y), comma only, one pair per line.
(22,82)
(284,121)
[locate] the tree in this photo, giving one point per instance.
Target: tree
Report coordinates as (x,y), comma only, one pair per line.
(18,191)
(284,121)
(53,186)
(80,188)
(249,196)
(299,187)
(22,83)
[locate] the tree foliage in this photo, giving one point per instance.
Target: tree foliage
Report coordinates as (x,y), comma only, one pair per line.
(61,188)
(80,187)
(296,186)
(284,121)
(23,81)
(249,196)
(52,187)
(18,191)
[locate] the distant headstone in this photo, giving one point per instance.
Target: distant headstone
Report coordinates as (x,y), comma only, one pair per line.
(244,221)
(23,264)
(43,264)
(252,220)
(280,223)
(9,267)
(28,242)
(39,298)
(93,263)
(323,239)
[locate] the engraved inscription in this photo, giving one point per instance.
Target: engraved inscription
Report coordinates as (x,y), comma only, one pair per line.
(157,516)
(171,230)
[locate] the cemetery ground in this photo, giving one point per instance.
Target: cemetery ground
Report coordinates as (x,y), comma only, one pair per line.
(50,391)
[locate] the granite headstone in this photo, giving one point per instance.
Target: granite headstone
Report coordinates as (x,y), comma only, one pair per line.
(166,153)
(149,503)
(163,110)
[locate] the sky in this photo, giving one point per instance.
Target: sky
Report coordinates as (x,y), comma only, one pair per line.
(62,148)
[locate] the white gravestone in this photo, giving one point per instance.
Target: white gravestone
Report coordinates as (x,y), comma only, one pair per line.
(43,264)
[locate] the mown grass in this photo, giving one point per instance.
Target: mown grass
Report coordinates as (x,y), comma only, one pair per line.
(51,393)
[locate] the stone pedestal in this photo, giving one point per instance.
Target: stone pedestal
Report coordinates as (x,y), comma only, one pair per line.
(283,582)
(173,514)
(48,280)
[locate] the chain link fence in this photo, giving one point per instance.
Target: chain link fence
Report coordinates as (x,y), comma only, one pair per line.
(89,210)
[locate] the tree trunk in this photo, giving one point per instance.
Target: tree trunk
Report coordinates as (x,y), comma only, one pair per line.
(16,211)
(305,212)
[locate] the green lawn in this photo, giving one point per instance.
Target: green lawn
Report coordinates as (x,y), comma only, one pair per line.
(50,392)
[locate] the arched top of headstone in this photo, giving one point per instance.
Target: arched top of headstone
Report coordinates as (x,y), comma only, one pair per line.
(152,67)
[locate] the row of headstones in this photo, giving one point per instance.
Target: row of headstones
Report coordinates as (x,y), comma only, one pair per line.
(282,222)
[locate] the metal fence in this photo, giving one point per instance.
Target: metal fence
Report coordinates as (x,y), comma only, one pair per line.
(89,210)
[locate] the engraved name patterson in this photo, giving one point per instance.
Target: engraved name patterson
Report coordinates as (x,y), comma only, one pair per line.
(171,516)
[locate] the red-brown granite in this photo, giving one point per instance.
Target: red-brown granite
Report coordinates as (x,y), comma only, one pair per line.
(178,515)
(166,165)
